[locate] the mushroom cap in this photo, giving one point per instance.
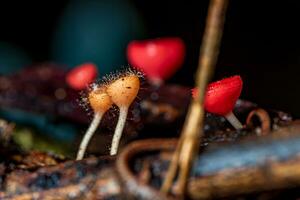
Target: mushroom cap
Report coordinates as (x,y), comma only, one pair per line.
(99,100)
(221,96)
(159,58)
(124,90)
(81,76)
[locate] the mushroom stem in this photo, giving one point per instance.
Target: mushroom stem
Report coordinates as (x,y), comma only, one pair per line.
(88,135)
(233,121)
(118,130)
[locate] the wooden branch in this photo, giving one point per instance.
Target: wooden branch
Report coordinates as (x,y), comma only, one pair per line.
(194,121)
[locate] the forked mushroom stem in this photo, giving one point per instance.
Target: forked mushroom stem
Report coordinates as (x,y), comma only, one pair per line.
(233,121)
(88,135)
(118,131)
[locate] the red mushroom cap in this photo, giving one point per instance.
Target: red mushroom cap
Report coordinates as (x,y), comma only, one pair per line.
(81,76)
(221,96)
(158,58)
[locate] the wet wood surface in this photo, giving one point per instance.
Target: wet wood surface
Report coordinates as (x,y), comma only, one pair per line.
(230,163)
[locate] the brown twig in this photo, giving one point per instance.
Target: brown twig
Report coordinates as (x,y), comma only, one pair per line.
(190,138)
(172,169)
(264,119)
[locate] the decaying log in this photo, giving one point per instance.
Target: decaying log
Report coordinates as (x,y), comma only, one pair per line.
(142,165)
(270,163)
(102,185)
(93,178)
(254,165)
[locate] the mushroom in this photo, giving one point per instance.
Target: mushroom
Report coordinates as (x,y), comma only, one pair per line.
(100,102)
(122,92)
(159,58)
(221,97)
(81,76)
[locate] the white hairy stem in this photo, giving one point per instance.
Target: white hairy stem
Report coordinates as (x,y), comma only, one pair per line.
(118,131)
(88,135)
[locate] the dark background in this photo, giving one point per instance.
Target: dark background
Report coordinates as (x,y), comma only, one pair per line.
(261,40)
